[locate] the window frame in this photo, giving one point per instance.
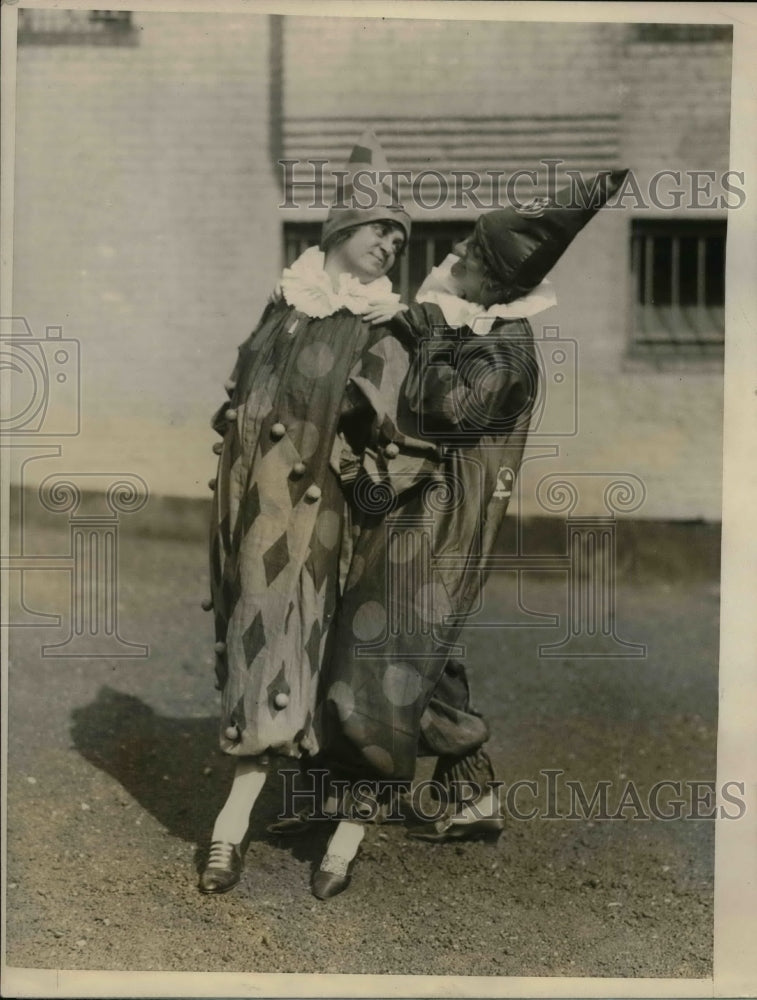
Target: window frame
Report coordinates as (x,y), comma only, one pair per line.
(671,33)
(50,26)
(298,235)
(684,346)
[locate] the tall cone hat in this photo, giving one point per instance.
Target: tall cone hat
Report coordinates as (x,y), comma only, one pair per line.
(522,244)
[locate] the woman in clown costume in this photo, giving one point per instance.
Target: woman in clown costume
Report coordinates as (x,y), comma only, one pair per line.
(279,524)
(452,402)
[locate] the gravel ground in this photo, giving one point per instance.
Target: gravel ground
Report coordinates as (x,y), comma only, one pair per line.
(115,779)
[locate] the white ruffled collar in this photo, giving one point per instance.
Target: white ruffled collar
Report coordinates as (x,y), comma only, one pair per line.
(439,288)
(306,286)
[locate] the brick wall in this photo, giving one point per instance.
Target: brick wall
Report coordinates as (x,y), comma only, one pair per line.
(672,101)
(663,426)
(448,68)
(667,425)
(676,106)
(146,221)
(146,226)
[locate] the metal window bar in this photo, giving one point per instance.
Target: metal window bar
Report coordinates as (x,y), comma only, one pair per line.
(701,276)
(686,33)
(76,27)
(430,253)
(670,322)
(675,275)
(429,243)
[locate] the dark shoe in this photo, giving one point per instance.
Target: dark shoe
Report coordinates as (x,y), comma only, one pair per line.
(332,877)
(224,867)
(446,831)
(292,826)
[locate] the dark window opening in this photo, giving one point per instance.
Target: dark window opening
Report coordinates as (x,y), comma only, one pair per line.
(430,242)
(669,33)
(76,27)
(679,286)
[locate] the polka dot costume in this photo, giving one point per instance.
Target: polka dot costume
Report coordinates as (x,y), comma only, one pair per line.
(417,568)
(278,526)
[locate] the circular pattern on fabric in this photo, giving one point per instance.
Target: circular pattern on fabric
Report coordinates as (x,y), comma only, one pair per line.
(305,436)
(432,603)
(260,400)
(327,527)
(315,360)
(401,684)
(369,621)
(379,758)
(343,699)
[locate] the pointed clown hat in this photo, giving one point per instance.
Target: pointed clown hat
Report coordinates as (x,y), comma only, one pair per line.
(361,196)
(521,245)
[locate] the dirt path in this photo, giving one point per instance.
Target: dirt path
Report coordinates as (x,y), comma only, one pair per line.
(114,781)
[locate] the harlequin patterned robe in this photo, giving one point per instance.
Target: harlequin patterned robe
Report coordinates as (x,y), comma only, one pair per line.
(449,438)
(278,516)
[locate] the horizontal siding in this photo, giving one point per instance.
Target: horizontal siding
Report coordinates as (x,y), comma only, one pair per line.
(587,143)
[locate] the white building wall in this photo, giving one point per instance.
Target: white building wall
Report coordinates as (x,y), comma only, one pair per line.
(672,102)
(146,227)
(146,220)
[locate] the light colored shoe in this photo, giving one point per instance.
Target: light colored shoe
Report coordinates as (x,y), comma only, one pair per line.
(449,829)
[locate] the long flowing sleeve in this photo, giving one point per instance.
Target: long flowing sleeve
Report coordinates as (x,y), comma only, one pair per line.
(460,385)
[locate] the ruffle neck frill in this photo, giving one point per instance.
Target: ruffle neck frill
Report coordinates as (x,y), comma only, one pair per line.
(307,287)
(439,288)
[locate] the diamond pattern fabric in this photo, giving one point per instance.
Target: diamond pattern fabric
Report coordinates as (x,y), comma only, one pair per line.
(274,549)
(301,566)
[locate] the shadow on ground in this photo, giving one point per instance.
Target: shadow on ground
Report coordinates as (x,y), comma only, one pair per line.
(156,760)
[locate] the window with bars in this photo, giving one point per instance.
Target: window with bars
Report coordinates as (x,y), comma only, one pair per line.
(678,274)
(672,33)
(76,27)
(430,242)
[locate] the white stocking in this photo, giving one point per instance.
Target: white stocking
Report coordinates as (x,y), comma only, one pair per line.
(234,819)
(342,847)
(487,806)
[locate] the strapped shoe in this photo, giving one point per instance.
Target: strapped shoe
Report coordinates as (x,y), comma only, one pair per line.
(451,829)
(224,867)
(333,877)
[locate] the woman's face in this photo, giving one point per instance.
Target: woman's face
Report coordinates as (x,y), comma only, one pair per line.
(371,250)
(469,272)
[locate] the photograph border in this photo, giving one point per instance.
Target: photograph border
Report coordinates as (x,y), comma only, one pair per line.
(735,959)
